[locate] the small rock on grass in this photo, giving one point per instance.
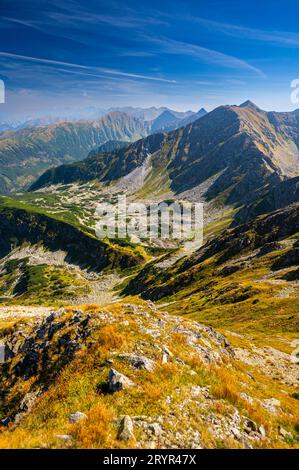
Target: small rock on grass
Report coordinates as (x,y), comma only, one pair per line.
(285,434)
(139,362)
(236,433)
(156,429)
(126,429)
(64,437)
(164,358)
(76,417)
(262,431)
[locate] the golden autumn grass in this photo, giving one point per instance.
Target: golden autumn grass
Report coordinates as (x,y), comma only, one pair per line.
(79,386)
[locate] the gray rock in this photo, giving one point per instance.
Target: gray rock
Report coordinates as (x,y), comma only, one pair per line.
(285,434)
(64,437)
(126,429)
(156,429)
(164,358)
(246,397)
(167,351)
(236,433)
(118,381)
(262,431)
(250,426)
(78,416)
(271,404)
(139,362)
(28,401)
(18,417)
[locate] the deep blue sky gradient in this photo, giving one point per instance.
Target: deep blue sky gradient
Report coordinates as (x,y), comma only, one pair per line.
(58,54)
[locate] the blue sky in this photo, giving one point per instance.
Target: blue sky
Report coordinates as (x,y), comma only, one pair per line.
(58,54)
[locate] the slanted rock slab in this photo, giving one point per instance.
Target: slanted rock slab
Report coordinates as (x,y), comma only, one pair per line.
(126,429)
(118,381)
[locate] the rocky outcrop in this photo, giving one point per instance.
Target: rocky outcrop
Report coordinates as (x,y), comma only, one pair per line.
(199,397)
(39,351)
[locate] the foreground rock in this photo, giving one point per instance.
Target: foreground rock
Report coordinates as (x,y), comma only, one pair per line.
(126,429)
(76,417)
(118,381)
(139,362)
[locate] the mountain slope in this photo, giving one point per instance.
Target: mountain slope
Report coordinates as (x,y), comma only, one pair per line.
(245,278)
(26,153)
(241,148)
(21,224)
(103,166)
(129,375)
(193,117)
(271,197)
(109,146)
(165,122)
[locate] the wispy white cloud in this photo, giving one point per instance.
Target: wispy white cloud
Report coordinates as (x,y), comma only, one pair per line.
(10,55)
(172,46)
(282,38)
(44,28)
(117,21)
(87,68)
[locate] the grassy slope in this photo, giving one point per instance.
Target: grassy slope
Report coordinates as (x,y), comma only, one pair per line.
(253,300)
(11,207)
(81,386)
(24,284)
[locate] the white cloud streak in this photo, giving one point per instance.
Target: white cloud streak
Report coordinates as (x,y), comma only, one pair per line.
(172,46)
(88,69)
(282,38)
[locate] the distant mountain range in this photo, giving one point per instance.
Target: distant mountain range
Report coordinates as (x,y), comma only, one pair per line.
(39,144)
(26,153)
(87,114)
(236,151)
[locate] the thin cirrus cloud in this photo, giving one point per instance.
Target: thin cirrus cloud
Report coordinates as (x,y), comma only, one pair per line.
(282,38)
(123,21)
(87,68)
(172,46)
(45,29)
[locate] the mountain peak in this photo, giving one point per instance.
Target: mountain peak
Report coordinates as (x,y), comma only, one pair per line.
(249,104)
(166,113)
